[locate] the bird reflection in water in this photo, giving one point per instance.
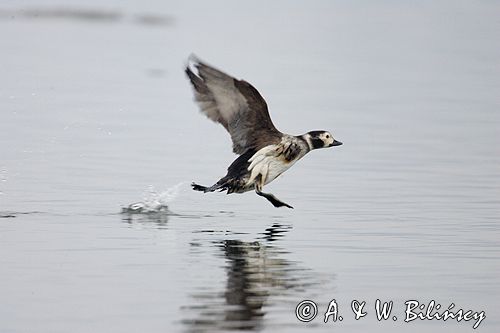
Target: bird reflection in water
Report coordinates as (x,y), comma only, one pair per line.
(257,274)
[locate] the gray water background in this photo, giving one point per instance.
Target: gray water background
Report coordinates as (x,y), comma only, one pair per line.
(95,109)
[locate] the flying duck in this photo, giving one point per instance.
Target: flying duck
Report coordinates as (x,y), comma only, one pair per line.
(265,153)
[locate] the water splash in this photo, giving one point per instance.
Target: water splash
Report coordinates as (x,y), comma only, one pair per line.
(154,202)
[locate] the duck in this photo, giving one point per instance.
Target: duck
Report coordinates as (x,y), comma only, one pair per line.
(264,152)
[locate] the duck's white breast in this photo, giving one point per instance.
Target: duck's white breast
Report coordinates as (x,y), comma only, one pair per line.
(276,167)
(269,162)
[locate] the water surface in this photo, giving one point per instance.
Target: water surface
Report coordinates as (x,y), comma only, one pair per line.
(95,109)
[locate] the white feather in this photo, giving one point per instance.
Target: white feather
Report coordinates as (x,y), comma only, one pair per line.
(267,163)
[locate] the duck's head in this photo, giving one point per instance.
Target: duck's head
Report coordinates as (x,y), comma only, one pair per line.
(320,139)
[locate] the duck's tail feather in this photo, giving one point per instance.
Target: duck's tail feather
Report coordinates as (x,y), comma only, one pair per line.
(206,189)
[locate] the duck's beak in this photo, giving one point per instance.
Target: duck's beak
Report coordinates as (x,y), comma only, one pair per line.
(335,143)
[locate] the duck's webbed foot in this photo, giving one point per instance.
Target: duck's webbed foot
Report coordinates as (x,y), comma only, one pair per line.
(275,201)
(272,199)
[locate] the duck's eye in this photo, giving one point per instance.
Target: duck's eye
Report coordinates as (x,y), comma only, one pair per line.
(328,136)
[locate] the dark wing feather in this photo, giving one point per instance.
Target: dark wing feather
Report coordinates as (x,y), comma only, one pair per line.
(236,105)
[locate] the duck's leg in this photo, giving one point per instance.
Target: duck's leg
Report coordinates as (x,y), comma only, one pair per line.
(272,199)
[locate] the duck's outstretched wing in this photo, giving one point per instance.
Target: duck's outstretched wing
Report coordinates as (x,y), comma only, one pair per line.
(235,104)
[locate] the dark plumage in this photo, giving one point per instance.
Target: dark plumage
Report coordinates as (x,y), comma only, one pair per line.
(265,153)
(236,105)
